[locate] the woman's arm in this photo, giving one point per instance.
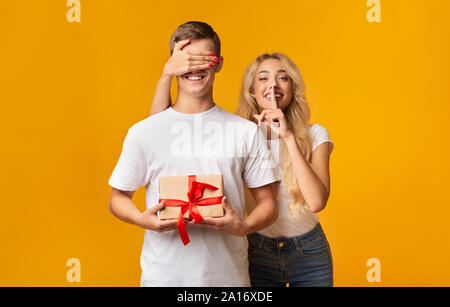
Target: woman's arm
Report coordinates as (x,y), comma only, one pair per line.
(161,99)
(314,179)
(181,62)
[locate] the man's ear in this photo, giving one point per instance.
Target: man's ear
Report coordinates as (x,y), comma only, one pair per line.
(219,65)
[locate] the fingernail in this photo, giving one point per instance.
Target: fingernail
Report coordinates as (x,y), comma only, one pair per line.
(212,54)
(209,65)
(216,59)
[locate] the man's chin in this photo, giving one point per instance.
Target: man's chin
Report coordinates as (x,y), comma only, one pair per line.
(197,91)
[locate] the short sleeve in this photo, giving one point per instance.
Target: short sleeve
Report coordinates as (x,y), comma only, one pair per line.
(259,168)
(130,171)
(321,136)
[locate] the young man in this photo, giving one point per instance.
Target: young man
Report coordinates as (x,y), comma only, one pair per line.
(195,137)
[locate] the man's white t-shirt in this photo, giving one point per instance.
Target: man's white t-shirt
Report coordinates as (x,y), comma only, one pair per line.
(178,144)
(286,225)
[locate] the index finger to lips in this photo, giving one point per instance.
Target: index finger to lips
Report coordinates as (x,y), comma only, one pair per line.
(274,99)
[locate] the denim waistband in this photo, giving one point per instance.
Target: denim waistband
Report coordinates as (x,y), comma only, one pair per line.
(287,243)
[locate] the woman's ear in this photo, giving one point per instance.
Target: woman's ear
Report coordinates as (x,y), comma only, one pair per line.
(219,65)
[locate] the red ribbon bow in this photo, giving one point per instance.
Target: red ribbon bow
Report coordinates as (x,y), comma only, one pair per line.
(195,192)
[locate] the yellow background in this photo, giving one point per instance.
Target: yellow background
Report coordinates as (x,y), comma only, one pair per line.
(70,91)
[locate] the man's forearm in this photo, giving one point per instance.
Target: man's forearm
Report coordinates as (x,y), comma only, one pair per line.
(265,214)
(123,208)
(161,99)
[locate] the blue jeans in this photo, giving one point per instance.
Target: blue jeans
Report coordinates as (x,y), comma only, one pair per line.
(303,261)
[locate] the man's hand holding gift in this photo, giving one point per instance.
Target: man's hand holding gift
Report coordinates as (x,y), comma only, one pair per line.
(149,220)
(231,223)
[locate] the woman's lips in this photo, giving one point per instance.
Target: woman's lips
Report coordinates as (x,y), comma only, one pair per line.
(277,95)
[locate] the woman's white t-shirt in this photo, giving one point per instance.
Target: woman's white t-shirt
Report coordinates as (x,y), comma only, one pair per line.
(287,226)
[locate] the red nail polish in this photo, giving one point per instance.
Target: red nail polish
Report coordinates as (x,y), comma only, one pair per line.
(216,59)
(212,54)
(209,65)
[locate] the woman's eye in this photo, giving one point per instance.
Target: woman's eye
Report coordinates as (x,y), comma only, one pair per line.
(284,78)
(262,79)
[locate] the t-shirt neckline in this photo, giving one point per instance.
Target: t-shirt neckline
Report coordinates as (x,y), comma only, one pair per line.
(206,113)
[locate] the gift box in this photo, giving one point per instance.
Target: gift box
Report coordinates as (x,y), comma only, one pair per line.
(190,197)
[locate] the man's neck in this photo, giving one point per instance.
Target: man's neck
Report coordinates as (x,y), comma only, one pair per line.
(193,105)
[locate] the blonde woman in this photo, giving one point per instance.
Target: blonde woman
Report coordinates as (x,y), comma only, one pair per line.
(294,250)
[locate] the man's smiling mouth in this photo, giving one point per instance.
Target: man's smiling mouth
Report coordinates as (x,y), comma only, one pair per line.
(194,76)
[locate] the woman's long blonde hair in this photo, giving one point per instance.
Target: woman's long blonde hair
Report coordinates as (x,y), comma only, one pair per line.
(297,115)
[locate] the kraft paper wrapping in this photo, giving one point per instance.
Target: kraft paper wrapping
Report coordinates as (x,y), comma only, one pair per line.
(176,187)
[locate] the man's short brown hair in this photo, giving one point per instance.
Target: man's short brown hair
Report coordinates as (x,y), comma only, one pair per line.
(195,30)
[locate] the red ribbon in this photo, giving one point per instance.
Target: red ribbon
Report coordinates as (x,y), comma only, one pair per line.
(195,192)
